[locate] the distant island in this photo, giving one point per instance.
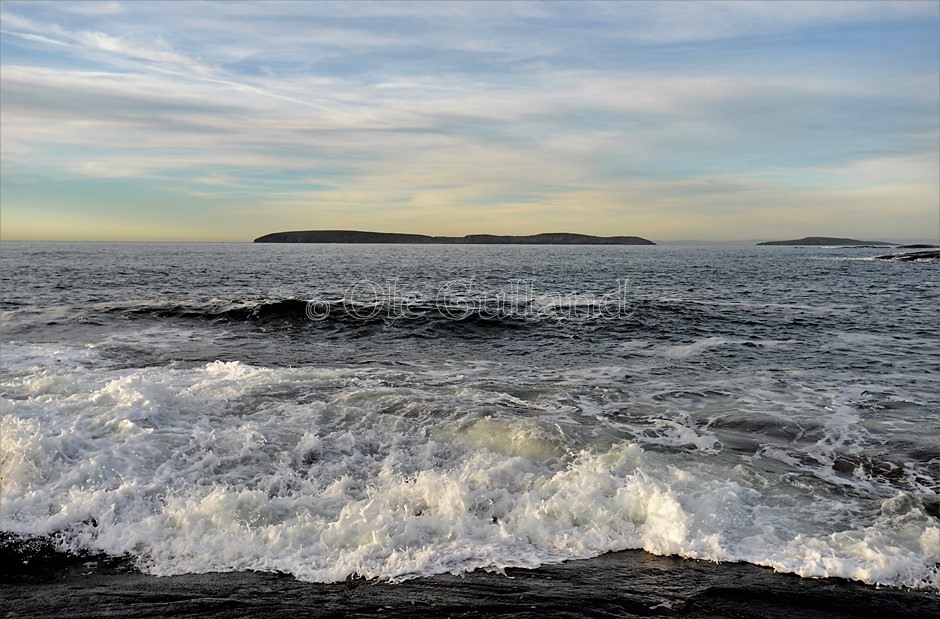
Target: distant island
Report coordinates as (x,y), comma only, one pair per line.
(824,240)
(356,236)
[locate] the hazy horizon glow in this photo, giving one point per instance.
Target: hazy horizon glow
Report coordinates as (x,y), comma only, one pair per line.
(667,120)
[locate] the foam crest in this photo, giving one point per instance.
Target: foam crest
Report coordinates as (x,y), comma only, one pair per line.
(390,473)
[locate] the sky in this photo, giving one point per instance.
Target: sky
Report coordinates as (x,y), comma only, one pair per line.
(223,121)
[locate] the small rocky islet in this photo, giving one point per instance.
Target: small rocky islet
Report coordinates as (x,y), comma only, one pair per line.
(930,253)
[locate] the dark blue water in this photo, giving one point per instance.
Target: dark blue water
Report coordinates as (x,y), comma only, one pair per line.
(397,411)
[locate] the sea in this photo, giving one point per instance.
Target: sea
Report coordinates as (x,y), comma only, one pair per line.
(394,412)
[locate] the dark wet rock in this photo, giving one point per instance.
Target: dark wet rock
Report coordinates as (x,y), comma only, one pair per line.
(912,256)
(621,584)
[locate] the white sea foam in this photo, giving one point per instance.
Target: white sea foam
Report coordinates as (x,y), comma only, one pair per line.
(391,473)
(687,350)
(676,351)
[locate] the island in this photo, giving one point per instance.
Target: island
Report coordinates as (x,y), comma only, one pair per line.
(356,236)
(815,241)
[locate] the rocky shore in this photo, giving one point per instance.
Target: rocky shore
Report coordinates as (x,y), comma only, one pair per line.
(630,583)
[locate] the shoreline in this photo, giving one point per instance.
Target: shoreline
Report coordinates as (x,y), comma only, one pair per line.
(629,583)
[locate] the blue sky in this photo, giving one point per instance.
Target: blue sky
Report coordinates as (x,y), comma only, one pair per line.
(669,120)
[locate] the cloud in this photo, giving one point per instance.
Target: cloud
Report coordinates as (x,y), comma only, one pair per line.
(420,114)
(155,50)
(96,7)
(664,23)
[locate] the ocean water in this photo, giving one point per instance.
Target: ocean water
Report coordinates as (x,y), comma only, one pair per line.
(397,411)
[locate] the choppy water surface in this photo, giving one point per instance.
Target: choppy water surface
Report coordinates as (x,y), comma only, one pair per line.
(467,407)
